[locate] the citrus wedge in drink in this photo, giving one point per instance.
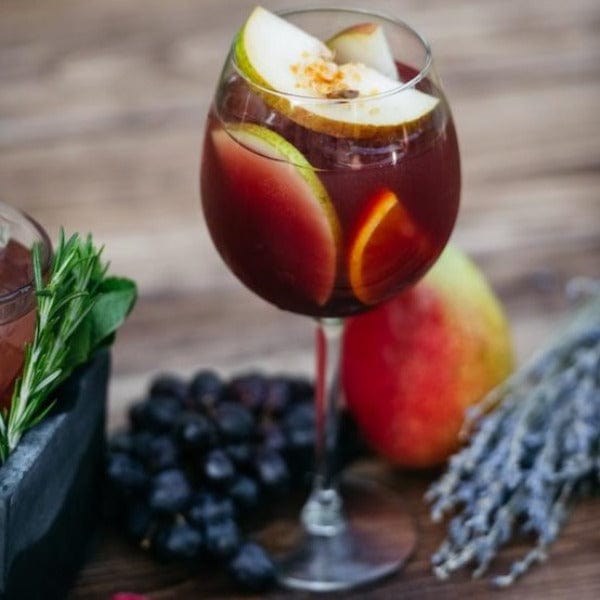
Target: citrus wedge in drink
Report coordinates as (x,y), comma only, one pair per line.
(386,246)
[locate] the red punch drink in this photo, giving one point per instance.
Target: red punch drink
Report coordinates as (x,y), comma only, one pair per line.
(327,220)
(17,297)
(18,322)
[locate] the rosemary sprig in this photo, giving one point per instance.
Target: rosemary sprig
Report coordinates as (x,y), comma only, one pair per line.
(79,309)
(527,460)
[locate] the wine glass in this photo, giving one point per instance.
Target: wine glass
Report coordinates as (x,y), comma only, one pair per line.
(327,200)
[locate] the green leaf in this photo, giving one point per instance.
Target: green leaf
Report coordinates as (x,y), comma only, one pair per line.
(115,300)
(79,310)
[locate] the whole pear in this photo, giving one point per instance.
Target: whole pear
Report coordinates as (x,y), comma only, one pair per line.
(412,366)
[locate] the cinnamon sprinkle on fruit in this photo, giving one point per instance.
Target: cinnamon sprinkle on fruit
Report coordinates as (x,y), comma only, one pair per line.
(325,78)
(343,94)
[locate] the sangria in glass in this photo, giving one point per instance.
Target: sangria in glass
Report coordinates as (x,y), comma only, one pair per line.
(18,234)
(330,181)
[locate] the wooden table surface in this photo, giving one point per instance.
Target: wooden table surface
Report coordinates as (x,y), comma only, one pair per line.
(101,113)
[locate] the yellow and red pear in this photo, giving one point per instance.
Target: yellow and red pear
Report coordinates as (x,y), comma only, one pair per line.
(412,366)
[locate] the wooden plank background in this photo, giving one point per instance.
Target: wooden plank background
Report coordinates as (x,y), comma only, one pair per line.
(102,105)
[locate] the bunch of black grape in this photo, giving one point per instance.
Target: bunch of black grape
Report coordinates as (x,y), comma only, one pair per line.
(202,458)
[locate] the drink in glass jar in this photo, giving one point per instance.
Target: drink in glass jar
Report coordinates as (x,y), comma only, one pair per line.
(18,233)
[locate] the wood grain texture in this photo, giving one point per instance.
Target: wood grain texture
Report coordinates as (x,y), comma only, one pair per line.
(101,112)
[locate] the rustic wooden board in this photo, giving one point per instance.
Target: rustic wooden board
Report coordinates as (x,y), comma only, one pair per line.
(101,111)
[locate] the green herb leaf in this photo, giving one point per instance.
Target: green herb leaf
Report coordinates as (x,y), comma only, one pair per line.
(116,298)
(79,310)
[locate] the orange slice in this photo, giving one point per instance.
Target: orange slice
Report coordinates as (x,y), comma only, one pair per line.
(386,250)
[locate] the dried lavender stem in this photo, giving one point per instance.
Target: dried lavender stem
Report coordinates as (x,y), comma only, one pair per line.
(527,459)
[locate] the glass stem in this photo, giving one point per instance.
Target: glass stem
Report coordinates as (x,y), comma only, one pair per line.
(322,514)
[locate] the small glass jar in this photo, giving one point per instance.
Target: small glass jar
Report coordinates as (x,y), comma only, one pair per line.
(18,235)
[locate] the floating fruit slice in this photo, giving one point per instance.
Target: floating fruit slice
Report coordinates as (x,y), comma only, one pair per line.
(364,43)
(283,230)
(386,250)
(377,112)
(303,66)
(268,47)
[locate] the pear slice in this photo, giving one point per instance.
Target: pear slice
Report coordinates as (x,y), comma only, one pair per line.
(269,50)
(365,43)
(369,104)
(278,227)
(379,110)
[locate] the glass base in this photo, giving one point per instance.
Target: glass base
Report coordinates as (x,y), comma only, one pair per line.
(377,540)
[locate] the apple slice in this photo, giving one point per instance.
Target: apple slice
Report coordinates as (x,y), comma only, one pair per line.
(386,249)
(283,229)
(369,104)
(364,43)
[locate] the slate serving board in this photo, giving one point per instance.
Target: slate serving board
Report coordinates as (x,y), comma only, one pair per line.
(50,490)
